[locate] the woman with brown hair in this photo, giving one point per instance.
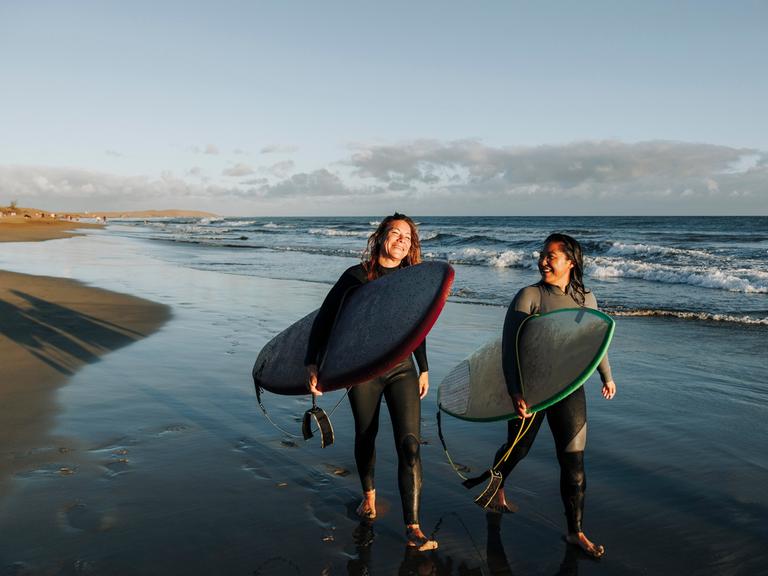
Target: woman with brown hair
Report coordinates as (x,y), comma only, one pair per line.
(394,244)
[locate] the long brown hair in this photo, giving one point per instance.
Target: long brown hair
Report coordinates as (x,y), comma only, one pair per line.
(572,251)
(376,244)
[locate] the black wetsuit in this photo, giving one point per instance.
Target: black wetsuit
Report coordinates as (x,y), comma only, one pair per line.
(400,387)
(567,419)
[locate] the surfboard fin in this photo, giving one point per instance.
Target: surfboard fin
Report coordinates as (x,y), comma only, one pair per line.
(319,416)
(493,486)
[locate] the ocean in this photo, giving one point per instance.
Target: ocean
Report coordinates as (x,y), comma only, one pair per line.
(706,268)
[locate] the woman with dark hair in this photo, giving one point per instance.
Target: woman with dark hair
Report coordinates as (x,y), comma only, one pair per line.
(561,286)
(394,244)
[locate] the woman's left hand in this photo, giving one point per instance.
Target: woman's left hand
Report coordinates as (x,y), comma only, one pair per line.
(423,384)
(609,389)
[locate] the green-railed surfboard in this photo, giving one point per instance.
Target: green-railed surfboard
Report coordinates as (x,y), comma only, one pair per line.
(556,352)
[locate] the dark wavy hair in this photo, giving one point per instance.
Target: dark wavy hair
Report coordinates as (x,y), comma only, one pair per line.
(572,251)
(376,244)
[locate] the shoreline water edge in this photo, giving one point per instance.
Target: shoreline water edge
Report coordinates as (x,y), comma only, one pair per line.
(153,457)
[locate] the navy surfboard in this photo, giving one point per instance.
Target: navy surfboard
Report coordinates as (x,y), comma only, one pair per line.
(557,352)
(378,325)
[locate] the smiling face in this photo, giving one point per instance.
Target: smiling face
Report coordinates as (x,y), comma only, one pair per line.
(396,245)
(554,265)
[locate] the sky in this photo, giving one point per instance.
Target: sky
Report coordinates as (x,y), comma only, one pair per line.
(362,108)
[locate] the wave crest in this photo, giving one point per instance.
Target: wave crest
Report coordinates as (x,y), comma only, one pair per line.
(737,280)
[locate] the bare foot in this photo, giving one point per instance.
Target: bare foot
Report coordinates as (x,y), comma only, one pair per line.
(500,505)
(587,546)
(416,539)
(367,508)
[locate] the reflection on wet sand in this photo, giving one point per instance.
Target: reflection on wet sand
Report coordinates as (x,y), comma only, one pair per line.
(49,327)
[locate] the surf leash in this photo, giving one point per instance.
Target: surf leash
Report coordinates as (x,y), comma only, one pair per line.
(495,476)
(323,424)
(315,413)
(496,479)
(455,467)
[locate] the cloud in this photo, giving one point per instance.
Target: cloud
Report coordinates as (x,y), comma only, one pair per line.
(278,149)
(211,149)
(239,169)
(582,170)
(430,176)
(76,189)
(317,183)
(113,153)
(256,182)
(279,169)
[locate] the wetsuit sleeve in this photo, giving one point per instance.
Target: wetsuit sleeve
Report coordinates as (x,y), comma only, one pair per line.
(604,368)
(524,304)
(421,356)
(321,328)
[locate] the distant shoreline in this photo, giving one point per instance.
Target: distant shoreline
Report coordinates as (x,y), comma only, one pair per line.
(35,225)
(147,214)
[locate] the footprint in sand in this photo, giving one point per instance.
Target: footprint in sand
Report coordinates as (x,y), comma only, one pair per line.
(312,480)
(336,470)
(77,516)
(244,444)
(115,444)
(116,467)
(258,470)
(327,508)
(118,462)
(48,471)
(173,429)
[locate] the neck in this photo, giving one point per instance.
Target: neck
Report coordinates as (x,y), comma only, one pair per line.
(386,262)
(562,284)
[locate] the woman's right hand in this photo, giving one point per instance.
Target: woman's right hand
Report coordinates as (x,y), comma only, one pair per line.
(312,380)
(521,406)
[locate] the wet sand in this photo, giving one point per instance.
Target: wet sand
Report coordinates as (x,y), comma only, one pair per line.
(49,328)
(175,470)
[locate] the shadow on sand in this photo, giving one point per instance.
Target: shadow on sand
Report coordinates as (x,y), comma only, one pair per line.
(61,337)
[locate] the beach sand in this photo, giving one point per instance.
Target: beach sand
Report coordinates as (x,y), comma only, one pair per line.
(175,470)
(20,229)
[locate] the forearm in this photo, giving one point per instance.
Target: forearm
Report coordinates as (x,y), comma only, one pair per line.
(420,353)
